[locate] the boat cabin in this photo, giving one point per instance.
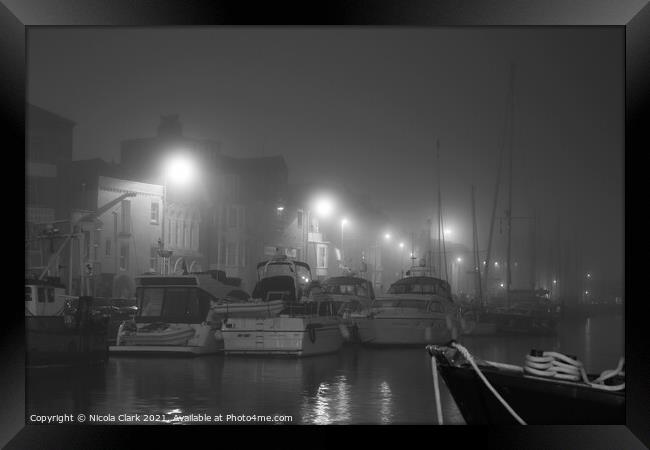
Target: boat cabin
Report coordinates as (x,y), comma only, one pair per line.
(282,266)
(421,285)
(348,286)
(45,298)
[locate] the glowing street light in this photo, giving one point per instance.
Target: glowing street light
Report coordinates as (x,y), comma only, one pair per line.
(496,264)
(179,170)
(501,284)
(554,281)
(324,206)
(401,245)
(588,275)
(459,260)
(344,222)
(387,236)
(280,208)
(448,231)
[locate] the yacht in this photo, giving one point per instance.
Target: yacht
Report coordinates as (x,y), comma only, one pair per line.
(417,309)
(62,330)
(352,297)
(183,314)
(304,327)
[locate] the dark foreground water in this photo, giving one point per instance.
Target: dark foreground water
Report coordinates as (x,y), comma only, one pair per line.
(358,385)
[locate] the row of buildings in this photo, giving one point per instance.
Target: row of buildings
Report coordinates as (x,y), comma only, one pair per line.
(97,225)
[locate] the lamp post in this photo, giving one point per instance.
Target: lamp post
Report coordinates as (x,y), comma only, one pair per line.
(179,169)
(401,247)
(344,222)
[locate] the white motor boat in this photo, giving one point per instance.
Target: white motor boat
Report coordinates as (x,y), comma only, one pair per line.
(183,314)
(415,310)
(302,329)
(352,296)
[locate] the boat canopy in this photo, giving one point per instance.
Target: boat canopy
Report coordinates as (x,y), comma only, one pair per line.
(348,286)
(172,304)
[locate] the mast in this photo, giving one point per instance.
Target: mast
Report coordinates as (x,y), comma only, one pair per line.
(440,232)
(509,211)
(441,225)
(498,179)
(477,259)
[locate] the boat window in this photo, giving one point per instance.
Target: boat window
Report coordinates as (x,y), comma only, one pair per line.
(436,307)
(180,304)
(304,277)
(28,294)
(150,301)
(41,295)
(50,295)
(325,309)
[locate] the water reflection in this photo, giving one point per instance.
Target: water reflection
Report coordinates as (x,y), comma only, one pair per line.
(358,385)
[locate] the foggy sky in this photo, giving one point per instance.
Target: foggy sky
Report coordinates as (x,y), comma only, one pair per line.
(364,107)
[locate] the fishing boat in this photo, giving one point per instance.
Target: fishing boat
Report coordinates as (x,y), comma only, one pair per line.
(416,310)
(61,330)
(182,314)
(303,328)
(550,388)
(352,297)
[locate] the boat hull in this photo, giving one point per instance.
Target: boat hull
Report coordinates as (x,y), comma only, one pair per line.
(50,342)
(190,339)
(292,336)
(538,401)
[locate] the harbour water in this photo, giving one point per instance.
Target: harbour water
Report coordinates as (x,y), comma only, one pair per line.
(358,385)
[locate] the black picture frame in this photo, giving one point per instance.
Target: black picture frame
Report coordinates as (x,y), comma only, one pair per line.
(632,16)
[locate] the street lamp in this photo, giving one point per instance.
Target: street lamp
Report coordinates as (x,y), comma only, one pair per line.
(344,222)
(387,236)
(324,206)
(180,170)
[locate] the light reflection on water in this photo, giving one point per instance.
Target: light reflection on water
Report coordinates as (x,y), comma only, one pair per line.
(358,385)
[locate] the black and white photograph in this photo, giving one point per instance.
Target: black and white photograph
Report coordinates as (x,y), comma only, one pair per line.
(333,225)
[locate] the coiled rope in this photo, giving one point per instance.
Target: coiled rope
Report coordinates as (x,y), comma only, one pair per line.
(559,366)
(545,364)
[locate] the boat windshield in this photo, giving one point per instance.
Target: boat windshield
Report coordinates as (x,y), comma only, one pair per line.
(346,289)
(172,304)
(419,288)
(402,303)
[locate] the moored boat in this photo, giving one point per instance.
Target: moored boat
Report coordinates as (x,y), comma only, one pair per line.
(532,397)
(62,330)
(415,310)
(304,327)
(352,297)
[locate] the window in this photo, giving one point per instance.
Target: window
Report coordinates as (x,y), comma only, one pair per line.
(184,236)
(242,248)
(107,247)
(155,211)
(153,257)
(299,218)
(41,295)
(191,241)
(321,257)
(50,295)
(241,217)
(222,251)
(126,216)
(169,231)
(232,217)
(124,256)
(181,304)
(28,294)
(177,231)
(231,254)
(87,244)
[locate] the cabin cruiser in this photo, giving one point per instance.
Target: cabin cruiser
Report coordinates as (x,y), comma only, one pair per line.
(304,327)
(62,330)
(416,309)
(352,297)
(182,314)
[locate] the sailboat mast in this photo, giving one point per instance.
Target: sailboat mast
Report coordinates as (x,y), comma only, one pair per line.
(509,211)
(477,259)
(441,223)
(440,232)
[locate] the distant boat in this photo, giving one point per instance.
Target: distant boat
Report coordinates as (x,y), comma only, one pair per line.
(415,310)
(536,400)
(62,330)
(351,296)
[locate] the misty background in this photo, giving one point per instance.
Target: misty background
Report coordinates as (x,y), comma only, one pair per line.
(363,107)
